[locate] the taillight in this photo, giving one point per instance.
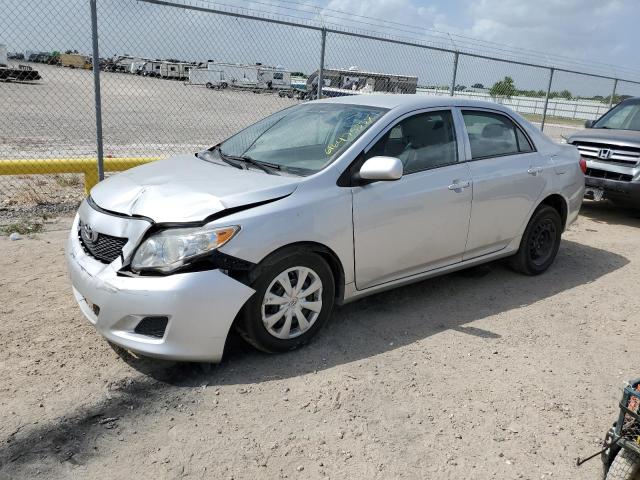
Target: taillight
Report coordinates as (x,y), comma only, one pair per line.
(583,165)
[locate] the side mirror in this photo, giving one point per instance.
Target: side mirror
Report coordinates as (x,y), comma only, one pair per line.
(381,168)
(588,124)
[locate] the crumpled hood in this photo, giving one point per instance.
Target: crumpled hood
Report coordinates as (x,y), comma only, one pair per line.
(624,138)
(187,189)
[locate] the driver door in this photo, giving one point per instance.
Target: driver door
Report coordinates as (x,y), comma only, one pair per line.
(421,221)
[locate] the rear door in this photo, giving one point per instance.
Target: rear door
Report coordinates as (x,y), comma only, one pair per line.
(508,178)
(420,222)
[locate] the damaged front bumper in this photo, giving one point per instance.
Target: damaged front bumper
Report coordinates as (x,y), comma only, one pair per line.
(192,311)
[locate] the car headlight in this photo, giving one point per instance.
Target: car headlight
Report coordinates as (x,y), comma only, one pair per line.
(170,249)
(563,139)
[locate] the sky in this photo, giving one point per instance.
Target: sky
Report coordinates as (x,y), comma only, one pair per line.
(595,35)
(598,30)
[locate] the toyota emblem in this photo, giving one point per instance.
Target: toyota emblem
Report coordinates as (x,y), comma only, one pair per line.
(87,232)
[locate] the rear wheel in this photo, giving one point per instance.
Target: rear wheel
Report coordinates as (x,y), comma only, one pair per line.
(540,242)
(626,466)
(293,300)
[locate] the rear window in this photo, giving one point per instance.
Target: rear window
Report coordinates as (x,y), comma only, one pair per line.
(493,135)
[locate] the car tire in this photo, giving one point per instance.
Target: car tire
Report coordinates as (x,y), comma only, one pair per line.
(270,324)
(626,466)
(540,242)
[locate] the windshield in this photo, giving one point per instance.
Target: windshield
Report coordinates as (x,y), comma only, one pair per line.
(303,139)
(626,116)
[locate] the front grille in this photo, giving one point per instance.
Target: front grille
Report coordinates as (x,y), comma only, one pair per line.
(101,247)
(607,175)
(625,156)
(152,326)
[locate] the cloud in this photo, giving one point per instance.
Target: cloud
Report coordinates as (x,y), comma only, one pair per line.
(404,12)
(601,31)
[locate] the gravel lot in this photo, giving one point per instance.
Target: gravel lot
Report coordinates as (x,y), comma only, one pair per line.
(141,115)
(481,374)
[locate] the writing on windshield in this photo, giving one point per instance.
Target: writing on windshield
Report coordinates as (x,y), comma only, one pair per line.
(356,129)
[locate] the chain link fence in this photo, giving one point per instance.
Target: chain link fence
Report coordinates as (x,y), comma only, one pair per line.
(180,76)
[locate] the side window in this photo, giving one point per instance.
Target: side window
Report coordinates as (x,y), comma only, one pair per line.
(421,142)
(492,135)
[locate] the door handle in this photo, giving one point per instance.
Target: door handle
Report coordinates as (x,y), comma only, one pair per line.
(459,185)
(534,170)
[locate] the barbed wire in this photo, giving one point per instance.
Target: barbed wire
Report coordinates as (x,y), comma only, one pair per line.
(348,21)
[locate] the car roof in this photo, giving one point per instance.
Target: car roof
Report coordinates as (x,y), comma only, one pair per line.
(410,101)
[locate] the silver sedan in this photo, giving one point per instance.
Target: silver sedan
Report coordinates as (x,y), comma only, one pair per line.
(316,205)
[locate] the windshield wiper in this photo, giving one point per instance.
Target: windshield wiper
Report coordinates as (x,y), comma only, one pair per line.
(269,168)
(225,158)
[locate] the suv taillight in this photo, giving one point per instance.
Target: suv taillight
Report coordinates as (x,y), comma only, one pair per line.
(583,165)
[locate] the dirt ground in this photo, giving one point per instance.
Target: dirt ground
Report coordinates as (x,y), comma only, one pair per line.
(483,374)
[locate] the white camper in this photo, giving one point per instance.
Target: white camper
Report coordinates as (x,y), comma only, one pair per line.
(151,68)
(124,63)
(136,67)
(175,70)
(275,78)
(207,77)
(253,76)
(170,70)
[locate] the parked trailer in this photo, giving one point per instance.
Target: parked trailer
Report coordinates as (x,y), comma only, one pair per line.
(352,81)
(175,70)
(75,60)
(207,77)
(136,67)
(274,78)
(24,73)
(151,68)
(124,62)
(259,77)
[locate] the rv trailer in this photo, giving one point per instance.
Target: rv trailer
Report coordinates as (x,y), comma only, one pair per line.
(207,77)
(123,63)
(150,68)
(352,81)
(175,70)
(257,77)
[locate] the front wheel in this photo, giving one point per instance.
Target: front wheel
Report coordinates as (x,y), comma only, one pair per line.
(540,242)
(293,300)
(626,466)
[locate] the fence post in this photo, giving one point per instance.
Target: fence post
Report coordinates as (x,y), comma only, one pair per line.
(454,75)
(96,87)
(323,41)
(546,99)
(613,94)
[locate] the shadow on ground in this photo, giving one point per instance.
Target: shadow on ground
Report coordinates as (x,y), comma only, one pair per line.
(607,212)
(359,330)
